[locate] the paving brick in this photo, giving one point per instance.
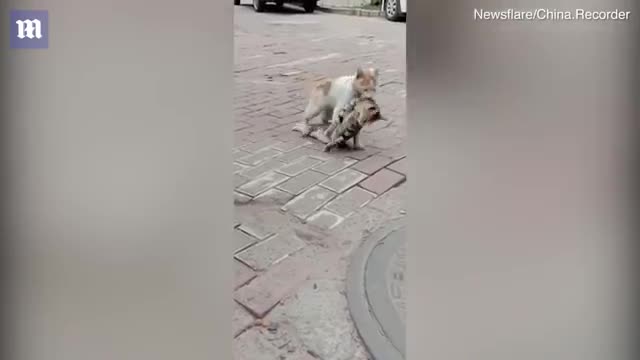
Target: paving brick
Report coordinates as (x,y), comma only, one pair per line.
(302,182)
(237,154)
(308,202)
(265,167)
(400,166)
(291,137)
(253,345)
(239,125)
(393,202)
(325,219)
(238,167)
(264,292)
(301,152)
(242,274)
(239,180)
(291,145)
(301,355)
(397,153)
(299,166)
(352,200)
(259,157)
(271,251)
(262,184)
(343,180)
(262,125)
(367,220)
(240,199)
(319,146)
(274,196)
(382,181)
(242,240)
(242,319)
(334,165)
(256,229)
(363,154)
(288,120)
(257,146)
(372,164)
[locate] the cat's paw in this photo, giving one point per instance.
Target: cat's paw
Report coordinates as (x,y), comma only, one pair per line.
(302,128)
(321,136)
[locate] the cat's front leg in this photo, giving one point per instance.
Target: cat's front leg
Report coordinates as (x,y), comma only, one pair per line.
(356,143)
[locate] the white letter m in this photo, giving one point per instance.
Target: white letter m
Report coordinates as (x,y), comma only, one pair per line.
(29,29)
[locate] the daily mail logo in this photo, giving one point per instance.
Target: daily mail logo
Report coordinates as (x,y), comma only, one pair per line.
(29,29)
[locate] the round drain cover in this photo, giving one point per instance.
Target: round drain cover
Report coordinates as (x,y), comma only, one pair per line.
(377,292)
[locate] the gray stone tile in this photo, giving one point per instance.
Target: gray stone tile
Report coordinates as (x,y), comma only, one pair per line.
(242,274)
(372,164)
(237,154)
(393,202)
(400,166)
(334,165)
(343,180)
(291,145)
(239,180)
(241,320)
(308,202)
(382,181)
(238,167)
(262,184)
(363,154)
(274,196)
(265,167)
(242,240)
(264,292)
(256,229)
(352,200)
(325,219)
(258,146)
(271,251)
(253,345)
(299,153)
(259,157)
(299,166)
(240,199)
(302,182)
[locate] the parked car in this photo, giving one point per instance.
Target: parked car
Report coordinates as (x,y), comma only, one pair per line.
(394,10)
(259,5)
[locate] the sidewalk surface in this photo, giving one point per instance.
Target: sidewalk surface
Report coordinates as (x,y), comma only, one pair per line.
(301,213)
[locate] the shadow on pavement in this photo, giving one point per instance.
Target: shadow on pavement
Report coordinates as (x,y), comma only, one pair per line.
(287,9)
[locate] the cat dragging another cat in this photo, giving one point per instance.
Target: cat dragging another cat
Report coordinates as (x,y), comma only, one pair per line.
(346,104)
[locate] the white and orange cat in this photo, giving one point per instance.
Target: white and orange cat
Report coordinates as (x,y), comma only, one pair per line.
(330,97)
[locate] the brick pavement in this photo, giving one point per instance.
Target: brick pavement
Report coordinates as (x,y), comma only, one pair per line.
(300,211)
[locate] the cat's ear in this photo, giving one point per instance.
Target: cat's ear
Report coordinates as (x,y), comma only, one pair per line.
(359,73)
(374,72)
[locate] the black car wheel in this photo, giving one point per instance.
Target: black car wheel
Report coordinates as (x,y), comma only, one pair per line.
(236,2)
(392,10)
(259,5)
(309,6)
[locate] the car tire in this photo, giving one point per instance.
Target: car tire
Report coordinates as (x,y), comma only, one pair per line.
(392,10)
(259,5)
(309,6)
(236,2)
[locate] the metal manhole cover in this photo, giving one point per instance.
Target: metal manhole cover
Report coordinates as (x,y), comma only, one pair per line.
(377,292)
